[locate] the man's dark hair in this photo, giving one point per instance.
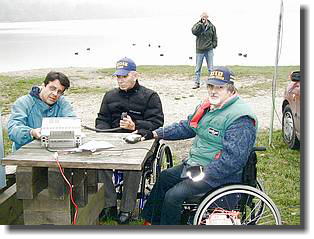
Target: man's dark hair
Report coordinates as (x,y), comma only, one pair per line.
(53,75)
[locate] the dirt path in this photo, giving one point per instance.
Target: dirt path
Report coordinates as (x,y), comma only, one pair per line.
(177,97)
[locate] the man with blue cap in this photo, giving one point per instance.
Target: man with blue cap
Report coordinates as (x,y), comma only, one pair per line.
(224,130)
(141,111)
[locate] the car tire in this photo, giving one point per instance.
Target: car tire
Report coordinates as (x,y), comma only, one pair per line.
(288,129)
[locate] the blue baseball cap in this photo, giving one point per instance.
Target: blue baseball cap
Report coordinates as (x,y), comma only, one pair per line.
(220,76)
(124,66)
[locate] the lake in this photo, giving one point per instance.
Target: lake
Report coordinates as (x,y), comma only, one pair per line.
(149,41)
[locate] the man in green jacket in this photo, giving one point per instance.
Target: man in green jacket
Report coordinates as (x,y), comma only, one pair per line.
(206,41)
(224,131)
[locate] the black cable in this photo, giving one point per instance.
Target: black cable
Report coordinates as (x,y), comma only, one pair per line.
(50,150)
(101,130)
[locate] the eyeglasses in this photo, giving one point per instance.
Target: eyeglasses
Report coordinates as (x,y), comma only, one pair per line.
(54,89)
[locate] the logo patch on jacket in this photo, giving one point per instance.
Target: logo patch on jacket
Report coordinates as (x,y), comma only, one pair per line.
(135,112)
(214,132)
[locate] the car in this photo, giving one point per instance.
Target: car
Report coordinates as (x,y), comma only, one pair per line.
(291,111)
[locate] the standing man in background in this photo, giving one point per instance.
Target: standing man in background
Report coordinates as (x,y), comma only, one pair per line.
(206,41)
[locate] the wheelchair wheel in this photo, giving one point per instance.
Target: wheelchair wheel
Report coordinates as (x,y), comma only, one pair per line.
(261,206)
(163,161)
(237,205)
(259,185)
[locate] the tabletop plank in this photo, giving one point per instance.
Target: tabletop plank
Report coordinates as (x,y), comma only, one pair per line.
(123,156)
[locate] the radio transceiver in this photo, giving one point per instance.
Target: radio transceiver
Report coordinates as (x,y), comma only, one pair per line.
(61,132)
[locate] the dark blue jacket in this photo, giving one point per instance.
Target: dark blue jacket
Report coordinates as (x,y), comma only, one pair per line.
(237,143)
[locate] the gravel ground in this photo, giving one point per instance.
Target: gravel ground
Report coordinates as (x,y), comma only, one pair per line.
(175,91)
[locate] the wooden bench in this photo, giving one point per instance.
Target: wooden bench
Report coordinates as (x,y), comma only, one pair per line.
(10,207)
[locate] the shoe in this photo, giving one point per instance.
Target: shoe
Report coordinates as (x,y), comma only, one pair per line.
(108,213)
(147,223)
(196,86)
(124,217)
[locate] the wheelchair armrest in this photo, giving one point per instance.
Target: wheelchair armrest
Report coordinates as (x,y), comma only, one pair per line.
(259,148)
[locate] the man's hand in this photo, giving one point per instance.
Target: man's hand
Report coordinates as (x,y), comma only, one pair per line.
(36,133)
(146,134)
(127,123)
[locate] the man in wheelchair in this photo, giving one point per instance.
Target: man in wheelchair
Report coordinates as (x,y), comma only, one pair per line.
(224,130)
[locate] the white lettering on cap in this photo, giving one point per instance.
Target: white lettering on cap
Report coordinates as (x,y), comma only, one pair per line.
(122,64)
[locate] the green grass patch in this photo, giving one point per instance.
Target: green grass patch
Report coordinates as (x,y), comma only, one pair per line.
(240,71)
(7,143)
(11,88)
(279,168)
(86,90)
(265,71)
(156,70)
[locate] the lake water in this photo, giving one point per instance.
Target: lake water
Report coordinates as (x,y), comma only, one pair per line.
(149,41)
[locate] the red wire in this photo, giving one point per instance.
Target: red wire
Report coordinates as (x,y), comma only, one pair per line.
(70,189)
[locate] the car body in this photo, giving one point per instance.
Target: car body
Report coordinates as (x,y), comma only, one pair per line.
(291,117)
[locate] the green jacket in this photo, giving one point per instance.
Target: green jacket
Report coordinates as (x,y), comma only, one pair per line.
(206,37)
(211,128)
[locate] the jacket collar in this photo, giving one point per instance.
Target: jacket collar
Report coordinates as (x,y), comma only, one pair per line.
(35,91)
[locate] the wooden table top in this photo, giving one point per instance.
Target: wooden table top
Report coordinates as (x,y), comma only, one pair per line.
(122,156)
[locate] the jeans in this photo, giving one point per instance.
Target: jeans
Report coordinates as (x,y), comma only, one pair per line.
(164,203)
(199,62)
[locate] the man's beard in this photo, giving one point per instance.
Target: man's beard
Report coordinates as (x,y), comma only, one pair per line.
(214,101)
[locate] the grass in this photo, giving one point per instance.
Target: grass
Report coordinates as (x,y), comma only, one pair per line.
(157,70)
(240,71)
(265,71)
(11,88)
(86,90)
(266,75)
(278,167)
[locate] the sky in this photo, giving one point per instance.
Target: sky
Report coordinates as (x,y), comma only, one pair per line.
(36,10)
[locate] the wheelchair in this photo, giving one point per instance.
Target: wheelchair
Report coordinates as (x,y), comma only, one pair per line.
(234,204)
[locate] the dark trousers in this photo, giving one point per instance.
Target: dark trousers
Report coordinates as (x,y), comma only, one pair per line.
(164,203)
(131,181)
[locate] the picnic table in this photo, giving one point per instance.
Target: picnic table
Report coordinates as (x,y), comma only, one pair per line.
(39,182)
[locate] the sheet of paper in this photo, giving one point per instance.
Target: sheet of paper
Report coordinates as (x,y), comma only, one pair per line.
(94,145)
